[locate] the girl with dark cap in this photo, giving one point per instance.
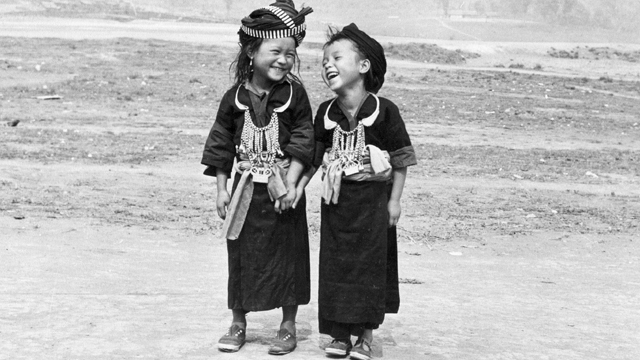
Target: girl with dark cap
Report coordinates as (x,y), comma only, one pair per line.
(264,132)
(364,150)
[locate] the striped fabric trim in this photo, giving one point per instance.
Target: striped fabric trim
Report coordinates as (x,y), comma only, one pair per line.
(275,34)
(293,31)
(286,19)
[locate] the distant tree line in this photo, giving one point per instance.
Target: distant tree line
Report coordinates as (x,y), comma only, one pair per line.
(620,15)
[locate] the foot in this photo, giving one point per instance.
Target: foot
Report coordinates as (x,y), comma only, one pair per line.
(338,347)
(362,350)
(284,343)
(233,340)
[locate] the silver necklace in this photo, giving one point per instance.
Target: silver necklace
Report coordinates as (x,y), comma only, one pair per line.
(348,148)
(262,144)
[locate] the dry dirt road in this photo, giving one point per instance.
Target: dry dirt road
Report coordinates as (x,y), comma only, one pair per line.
(108,238)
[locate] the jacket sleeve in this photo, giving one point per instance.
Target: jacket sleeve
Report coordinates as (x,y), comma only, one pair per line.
(301,142)
(219,149)
(319,136)
(397,141)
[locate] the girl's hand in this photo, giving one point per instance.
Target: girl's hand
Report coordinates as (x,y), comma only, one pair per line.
(287,200)
(222,202)
(394,212)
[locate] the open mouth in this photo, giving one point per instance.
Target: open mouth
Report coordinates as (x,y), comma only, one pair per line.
(331,75)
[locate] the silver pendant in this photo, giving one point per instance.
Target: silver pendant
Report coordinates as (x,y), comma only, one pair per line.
(351,169)
(260,174)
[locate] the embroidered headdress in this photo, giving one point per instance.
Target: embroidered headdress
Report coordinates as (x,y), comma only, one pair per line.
(278,20)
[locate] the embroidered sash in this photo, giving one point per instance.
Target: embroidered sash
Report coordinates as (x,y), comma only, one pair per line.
(375,167)
(241,199)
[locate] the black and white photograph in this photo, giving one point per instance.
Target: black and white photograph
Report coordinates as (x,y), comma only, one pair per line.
(288,179)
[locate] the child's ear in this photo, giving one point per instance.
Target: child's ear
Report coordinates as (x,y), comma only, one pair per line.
(249,52)
(365,66)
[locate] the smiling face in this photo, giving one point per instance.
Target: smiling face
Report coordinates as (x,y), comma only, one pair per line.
(272,61)
(342,67)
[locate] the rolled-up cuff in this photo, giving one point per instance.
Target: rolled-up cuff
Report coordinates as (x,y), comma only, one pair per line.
(403,157)
(210,171)
(214,163)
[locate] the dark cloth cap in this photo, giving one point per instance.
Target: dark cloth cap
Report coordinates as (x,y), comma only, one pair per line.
(372,50)
(278,20)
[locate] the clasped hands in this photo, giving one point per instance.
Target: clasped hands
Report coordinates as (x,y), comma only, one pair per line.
(289,200)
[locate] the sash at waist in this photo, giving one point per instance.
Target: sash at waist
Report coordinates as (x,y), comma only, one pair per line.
(241,199)
(375,167)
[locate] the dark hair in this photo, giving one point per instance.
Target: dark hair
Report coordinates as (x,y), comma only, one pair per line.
(371,82)
(241,66)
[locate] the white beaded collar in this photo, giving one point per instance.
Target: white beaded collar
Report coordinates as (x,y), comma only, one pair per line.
(278,109)
(368,121)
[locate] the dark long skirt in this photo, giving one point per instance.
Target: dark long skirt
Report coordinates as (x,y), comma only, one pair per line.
(358,258)
(269,262)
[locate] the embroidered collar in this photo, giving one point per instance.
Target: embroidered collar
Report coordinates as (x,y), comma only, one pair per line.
(368,121)
(277,110)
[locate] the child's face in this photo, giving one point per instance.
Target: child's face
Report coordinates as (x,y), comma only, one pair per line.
(342,67)
(272,61)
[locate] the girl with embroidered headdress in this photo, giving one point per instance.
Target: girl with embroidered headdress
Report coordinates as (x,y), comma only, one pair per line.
(364,150)
(264,132)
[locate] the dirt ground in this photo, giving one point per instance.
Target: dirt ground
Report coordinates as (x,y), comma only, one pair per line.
(520,230)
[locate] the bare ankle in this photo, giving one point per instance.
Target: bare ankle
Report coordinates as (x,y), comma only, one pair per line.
(290,326)
(367,335)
